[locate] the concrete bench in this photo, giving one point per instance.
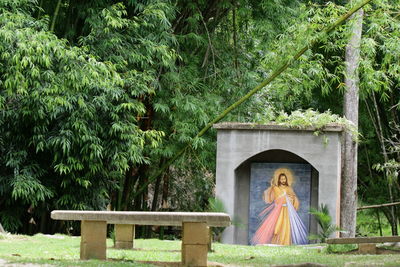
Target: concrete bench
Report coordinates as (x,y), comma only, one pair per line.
(195,232)
(366,245)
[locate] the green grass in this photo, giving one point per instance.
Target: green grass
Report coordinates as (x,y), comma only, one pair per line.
(61,250)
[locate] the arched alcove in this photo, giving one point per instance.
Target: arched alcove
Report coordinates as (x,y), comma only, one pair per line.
(242,184)
(239,145)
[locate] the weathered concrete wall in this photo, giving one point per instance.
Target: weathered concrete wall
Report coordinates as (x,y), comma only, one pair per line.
(238,144)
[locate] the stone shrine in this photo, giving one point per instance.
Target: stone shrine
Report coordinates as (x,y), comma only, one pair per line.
(247,155)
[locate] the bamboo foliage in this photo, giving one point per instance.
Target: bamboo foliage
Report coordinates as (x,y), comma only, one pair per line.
(67,124)
(282,67)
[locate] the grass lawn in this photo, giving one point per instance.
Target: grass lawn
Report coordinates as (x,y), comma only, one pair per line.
(62,250)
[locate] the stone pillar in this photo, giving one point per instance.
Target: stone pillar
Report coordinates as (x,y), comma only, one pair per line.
(195,240)
(367,248)
(93,240)
(124,236)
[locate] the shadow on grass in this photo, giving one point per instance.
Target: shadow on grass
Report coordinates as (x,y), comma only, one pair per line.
(177,264)
(157,250)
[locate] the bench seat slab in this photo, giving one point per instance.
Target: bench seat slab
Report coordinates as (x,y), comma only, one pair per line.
(214,219)
(93,240)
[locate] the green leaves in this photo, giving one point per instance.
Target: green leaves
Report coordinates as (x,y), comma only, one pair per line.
(27,187)
(29,190)
(310,119)
(68,126)
(325,222)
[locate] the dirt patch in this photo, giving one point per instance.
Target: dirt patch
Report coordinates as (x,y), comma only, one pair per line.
(379,251)
(179,264)
(160,250)
(8,236)
(55,236)
(306,264)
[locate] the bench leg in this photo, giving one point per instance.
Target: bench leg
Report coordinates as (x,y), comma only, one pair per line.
(210,237)
(195,244)
(124,236)
(93,240)
(367,248)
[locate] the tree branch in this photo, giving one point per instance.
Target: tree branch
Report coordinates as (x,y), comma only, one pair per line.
(53,22)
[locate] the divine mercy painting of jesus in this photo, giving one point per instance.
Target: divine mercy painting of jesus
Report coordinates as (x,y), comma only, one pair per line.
(279,221)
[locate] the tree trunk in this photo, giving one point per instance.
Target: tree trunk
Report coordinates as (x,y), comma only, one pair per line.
(234,29)
(125,200)
(55,15)
(39,12)
(348,203)
(165,191)
(379,222)
(43,219)
(377,123)
(156,193)
(381,138)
